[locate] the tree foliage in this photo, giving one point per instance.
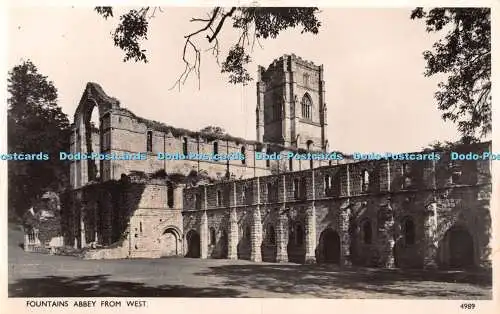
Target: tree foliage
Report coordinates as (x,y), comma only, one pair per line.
(252,23)
(464,55)
(35,124)
(216,130)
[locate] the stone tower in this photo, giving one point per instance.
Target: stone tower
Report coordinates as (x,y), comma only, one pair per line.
(291,107)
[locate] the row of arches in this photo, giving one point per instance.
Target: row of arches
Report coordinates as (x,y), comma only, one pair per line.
(328,249)
(456,249)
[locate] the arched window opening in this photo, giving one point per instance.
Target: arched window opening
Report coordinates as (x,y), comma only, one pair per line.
(328,183)
(170,195)
(185,146)
(290,164)
(212,236)
(243,156)
(367,232)
(409,231)
(140,226)
(216,147)
(365,180)
(306,107)
(149,141)
(219,198)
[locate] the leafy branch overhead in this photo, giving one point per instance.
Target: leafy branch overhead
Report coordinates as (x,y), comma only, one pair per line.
(252,24)
(464,55)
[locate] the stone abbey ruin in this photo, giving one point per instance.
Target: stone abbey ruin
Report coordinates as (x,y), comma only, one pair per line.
(384,213)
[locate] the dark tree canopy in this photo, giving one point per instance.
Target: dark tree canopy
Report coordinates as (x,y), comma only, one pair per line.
(464,55)
(252,23)
(35,124)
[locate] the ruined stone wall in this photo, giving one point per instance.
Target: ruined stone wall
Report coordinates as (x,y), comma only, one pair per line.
(129,135)
(398,214)
(132,217)
(121,132)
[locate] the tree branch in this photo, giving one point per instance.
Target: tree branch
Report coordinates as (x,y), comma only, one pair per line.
(197,61)
(212,19)
(221,23)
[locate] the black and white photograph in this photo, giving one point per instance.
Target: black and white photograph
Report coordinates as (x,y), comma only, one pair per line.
(255,151)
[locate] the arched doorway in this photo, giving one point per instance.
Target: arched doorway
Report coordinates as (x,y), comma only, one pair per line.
(329,247)
(170,243)
(193,243)
(460,248)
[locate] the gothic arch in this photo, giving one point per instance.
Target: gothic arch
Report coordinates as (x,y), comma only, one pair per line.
(93,97)
(329,247)
(307,106)
(170,241)
(193,244)
(244,241)
(457,248)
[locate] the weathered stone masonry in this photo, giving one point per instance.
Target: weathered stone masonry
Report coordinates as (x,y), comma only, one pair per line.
(374,213)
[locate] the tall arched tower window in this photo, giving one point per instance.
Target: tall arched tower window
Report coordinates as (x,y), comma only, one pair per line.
(306,107)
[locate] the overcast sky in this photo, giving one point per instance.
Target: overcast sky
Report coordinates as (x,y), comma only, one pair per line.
(377,96)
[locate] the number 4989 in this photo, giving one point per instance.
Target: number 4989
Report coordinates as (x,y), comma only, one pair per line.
(467,306)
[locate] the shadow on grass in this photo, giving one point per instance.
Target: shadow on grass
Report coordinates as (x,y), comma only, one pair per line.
(100,286)
(329,281)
